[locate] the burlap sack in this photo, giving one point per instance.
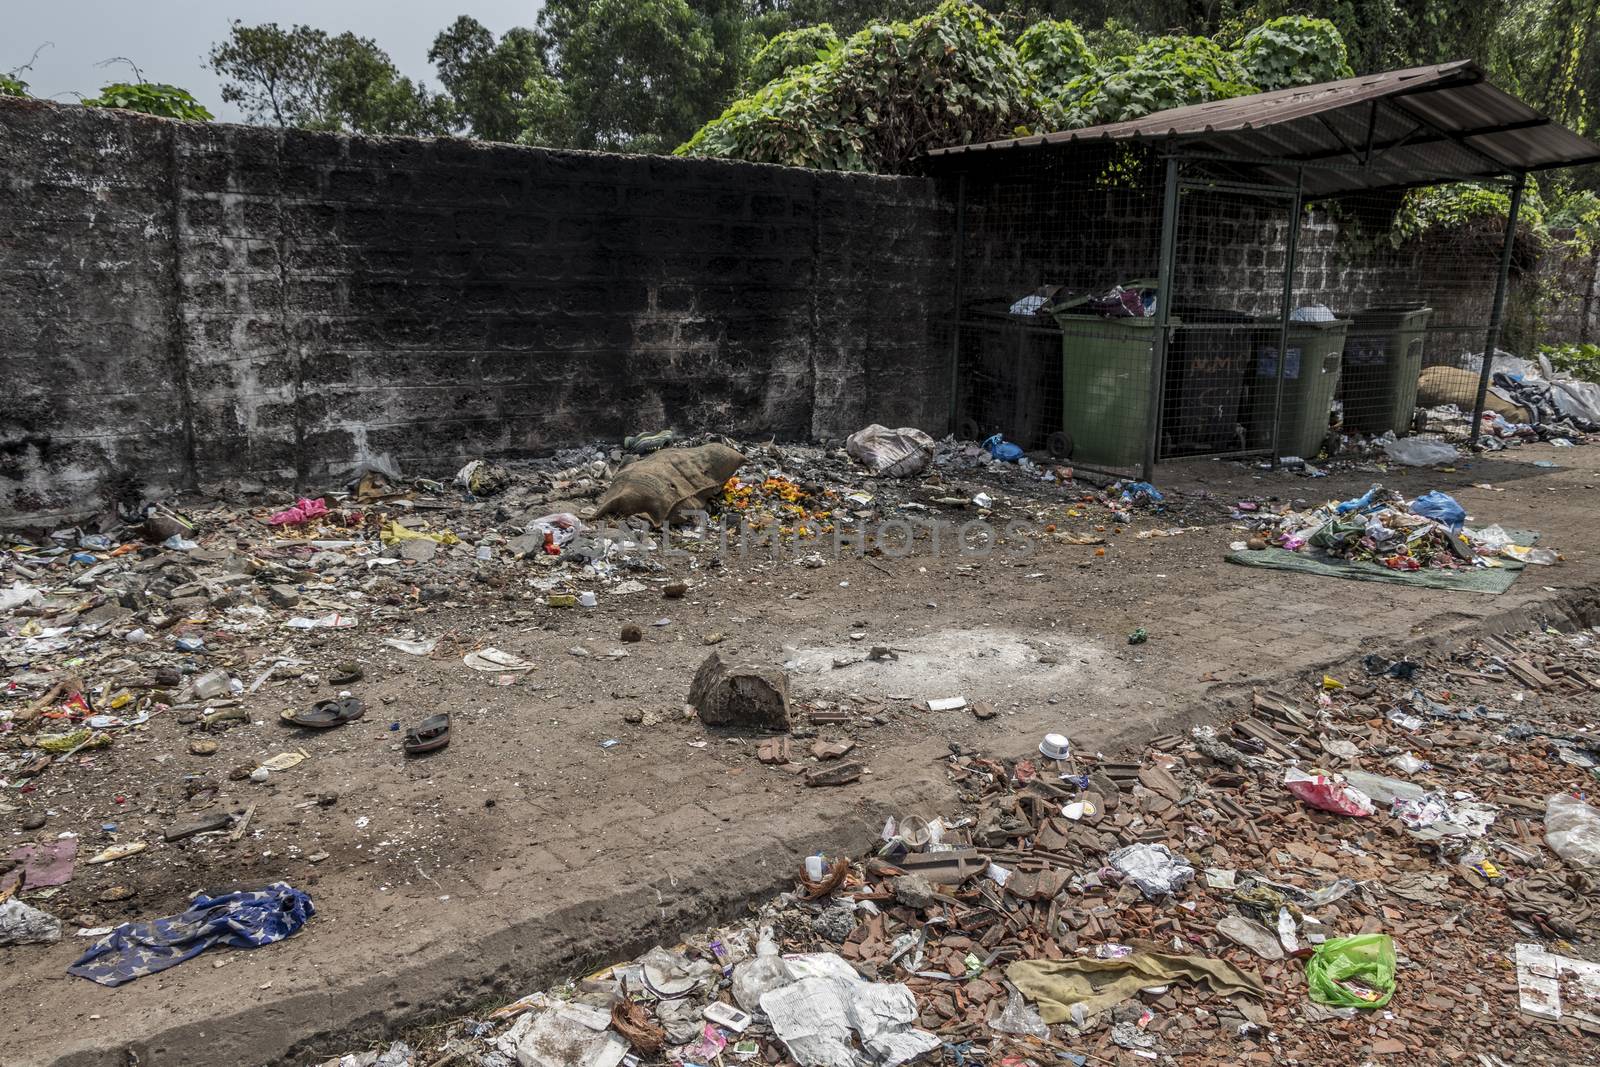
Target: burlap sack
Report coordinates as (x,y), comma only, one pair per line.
(662,486)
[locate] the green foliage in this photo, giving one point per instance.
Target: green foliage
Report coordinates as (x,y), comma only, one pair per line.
(487,80)
(639,74)
(1293,50)
(304,77)
(889,94)
(1164,73)
(791,49)
(545,115)
(1113,38)
(1464,209)
(1576,360)
(1052,54)
(151,98)
(11,85)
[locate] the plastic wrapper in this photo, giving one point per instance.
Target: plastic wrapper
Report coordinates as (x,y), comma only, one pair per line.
(1327,793)
(1572,830)
(1352,972)
(1155,869)
(892,453)
(1419,451)
(1020,1017)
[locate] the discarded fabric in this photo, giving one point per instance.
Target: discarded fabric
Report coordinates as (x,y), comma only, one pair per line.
(1101,984)
(237,920)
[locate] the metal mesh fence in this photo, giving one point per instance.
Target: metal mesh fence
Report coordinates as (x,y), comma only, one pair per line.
(1059,340)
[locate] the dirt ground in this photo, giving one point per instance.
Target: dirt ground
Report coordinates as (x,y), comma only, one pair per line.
(532,846)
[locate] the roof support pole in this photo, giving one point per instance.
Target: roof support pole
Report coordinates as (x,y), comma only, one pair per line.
(956,311)
(1497,311)
(1166,270)
(1291,252)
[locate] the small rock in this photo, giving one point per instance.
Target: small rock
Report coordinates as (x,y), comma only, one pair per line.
(914,891)
(316,857)
(634,716)
(202,746)
(983,709)
(419,549)
(675,590)
(285,596)
(632,633)
(835,923)
(744,695)
(33,820)
(840,773)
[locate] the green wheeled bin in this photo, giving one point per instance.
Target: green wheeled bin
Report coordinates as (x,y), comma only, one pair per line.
(1105,385)
(1382,361)
(1310,383)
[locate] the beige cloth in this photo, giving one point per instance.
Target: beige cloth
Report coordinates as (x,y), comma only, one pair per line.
(668,482)
(1100,985)
(1452,385)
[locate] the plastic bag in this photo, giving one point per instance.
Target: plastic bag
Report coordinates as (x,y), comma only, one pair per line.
(1328,794)
(1155,869)
(1003,450)
(1020,1017)
(1352,972)
(892,453)
(1441,508)
(1572,830)
(1419,451)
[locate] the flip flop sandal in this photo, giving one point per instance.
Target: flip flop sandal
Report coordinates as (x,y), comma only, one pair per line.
(326,714)
(430,735)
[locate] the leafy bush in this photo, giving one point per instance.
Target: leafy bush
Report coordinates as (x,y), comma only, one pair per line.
(791,49)
(151,98)
(1576,360)
(1463,208)
(1294,50)
(1052,54)
(887,95)
(1165,72)
(11,85)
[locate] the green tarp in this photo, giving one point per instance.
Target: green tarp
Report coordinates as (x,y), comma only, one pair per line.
(1313,561)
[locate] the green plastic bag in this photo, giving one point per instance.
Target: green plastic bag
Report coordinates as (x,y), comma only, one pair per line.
(1352,972)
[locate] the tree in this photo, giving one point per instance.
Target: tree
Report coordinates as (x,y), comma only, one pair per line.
(1164,73)
(487,80)
(303,77)
(640,74)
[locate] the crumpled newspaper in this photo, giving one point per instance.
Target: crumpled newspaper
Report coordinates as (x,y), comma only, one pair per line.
(830,1017)
(1155,869)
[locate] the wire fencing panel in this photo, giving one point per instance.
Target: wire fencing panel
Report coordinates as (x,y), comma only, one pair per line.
(1043,231)
(1056,328)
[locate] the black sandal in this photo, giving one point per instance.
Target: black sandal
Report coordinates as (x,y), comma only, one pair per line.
(429,735)
(327,713)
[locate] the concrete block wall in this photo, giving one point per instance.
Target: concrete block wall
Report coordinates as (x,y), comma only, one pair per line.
(187,303)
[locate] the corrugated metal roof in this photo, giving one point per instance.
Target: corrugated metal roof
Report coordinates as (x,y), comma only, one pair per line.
(1402,127)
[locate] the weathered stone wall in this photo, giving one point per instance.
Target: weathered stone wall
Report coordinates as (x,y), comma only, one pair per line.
(190,302)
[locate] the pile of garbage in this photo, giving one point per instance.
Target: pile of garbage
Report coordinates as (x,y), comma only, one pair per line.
(1384,528)
(1392,864)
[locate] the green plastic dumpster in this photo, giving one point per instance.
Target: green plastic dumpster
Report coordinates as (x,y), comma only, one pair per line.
(1105,385)
(1310,382)
(1382,361)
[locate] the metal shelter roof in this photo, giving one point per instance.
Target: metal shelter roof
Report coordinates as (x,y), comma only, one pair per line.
(1400,128)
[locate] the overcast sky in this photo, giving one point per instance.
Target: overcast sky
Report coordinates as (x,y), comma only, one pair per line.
(169,38)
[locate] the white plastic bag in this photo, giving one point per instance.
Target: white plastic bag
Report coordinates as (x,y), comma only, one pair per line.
(891,453)
(1420,451)
(1572,830)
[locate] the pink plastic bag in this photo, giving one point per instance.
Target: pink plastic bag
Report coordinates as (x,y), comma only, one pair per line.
(1327,793)
(303,511)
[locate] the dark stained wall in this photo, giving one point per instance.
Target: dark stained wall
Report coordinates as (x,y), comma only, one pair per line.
(187,303)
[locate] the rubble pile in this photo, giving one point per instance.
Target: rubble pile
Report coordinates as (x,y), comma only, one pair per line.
(1396,866)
